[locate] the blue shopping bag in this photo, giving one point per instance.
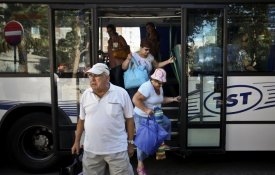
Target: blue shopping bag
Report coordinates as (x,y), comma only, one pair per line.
(135,75)
(150,135)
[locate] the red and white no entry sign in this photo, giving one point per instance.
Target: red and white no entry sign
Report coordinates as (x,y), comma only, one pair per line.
(13,32)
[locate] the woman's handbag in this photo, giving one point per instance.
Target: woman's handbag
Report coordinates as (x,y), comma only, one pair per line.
(150,135)
(121,53)
(135,75)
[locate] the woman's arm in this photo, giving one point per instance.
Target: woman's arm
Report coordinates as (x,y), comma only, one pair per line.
(138,100)
(171,99)
(163,63)
(126,62)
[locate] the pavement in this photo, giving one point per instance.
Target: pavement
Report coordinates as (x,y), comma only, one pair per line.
(237,163)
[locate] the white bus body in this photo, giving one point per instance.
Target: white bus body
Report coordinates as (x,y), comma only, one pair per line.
(249,100)
(258,105)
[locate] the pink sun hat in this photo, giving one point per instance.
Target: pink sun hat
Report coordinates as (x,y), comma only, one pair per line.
(159,75)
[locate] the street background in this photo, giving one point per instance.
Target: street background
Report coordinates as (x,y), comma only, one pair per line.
(237,163)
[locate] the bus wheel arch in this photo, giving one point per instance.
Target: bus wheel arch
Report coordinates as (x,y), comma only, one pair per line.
(31,141)
(40,113)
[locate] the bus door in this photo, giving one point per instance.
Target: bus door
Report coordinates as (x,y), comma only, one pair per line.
(204,76)
(71,44)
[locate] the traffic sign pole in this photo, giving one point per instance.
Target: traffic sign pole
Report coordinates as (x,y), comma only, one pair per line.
(14,47)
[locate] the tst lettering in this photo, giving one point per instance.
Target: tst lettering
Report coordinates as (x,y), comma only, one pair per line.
(232,99)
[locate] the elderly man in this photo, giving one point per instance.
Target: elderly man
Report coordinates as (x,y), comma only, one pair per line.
(106,114)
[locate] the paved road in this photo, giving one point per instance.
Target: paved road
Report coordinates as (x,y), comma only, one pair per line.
(229,164)
(233,164)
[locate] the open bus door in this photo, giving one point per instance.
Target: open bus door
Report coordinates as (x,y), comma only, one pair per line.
(203,84)
(72,40)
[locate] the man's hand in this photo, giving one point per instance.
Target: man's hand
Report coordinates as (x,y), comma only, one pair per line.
(131,149)
(76,148)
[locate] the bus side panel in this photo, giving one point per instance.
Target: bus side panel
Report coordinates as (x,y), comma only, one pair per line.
(250,111)
(17,90)
(69,95)
(250,137)
(251,98)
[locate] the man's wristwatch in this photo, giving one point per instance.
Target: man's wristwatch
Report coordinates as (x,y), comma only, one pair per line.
(130,141)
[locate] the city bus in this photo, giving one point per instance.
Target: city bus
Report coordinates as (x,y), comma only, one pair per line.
(224,71)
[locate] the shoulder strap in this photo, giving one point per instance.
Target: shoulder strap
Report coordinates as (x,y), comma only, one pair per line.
(122,41)
(134,61)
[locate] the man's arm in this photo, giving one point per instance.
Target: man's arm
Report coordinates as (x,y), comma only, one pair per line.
(130,127)
(78,134)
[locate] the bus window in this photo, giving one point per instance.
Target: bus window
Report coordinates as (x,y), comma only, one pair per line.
(33,51)
(72,42)
(251,38)
(204,46)
(130,34)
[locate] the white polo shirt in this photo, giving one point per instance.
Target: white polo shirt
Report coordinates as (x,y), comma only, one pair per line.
(105,120)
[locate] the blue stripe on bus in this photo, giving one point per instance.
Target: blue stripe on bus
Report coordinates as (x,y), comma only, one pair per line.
(69,107)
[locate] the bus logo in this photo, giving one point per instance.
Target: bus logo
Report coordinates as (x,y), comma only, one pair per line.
(240,98)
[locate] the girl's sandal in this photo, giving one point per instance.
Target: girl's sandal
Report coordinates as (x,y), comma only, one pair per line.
(141,171)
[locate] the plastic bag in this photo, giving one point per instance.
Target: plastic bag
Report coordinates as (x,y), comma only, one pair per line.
(150,135)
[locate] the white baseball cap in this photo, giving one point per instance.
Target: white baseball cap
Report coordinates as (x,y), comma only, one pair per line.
(99,68)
